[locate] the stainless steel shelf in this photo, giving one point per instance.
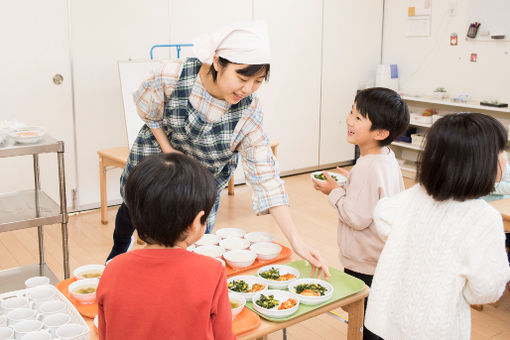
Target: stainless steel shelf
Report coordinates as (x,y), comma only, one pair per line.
(13,278)
(47,144)
(18,210)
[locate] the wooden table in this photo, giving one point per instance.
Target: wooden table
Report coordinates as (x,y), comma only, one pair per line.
(352,305)
(503,206)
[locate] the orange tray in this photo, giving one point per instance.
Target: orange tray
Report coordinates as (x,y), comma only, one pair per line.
(89,311)
(245,321)
(286,252)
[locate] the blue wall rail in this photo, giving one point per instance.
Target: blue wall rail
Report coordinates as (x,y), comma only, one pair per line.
(178,46)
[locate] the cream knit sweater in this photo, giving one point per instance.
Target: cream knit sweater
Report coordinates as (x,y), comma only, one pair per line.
(439,258)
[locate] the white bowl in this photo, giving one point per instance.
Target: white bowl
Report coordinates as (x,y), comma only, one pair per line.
(339,178)
(213,251)
(84,298)
(208,240)
(240,258)
(266,250)
(250,280)
(27,135)
(89,271)
(240,301)
(283,270)
(281,296)
(191,247)
(230,232)
(259,236)
(222,262)
(234,243)
(312,300)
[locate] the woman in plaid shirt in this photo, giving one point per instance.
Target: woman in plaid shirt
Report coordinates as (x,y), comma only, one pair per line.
(205,108)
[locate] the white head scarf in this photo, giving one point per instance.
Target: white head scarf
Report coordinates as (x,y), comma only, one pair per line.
(242,43)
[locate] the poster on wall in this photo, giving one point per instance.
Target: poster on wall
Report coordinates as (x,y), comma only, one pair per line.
(418,18)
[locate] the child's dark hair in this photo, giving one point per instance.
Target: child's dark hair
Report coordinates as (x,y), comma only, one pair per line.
(247,71)
(460,159)
(385,109)
(164,193)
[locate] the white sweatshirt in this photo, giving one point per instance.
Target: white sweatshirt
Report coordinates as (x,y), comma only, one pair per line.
(439,258)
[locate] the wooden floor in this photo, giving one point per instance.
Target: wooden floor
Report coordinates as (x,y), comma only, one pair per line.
(90,242)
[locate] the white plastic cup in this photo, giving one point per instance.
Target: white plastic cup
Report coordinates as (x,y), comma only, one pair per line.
(20,314)
(24,327)
(35,281)
(53,321)
(13,303)
(37,335)
(41,294)
(6,333)
(52,307)
(70,331)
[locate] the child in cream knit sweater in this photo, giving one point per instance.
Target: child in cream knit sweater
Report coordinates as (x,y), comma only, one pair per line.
(444,245)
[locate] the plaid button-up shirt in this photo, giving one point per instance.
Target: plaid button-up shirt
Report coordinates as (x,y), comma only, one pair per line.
(247,136)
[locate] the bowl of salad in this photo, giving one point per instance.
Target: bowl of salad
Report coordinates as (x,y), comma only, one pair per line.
(246,285)
(311,291)
(276,303)
(278,275)
(319,176)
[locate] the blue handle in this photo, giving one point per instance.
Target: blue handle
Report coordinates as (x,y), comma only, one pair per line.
(178,46)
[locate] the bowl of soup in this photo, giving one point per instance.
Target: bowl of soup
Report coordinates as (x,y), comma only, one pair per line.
(89,271)
(84,291)
(236,304)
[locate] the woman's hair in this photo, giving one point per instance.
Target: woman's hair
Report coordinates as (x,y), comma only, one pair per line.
(460,159)
(164,193)
(248,71)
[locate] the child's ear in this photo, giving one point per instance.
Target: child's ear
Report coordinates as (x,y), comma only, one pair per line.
(381,134)
(196,225)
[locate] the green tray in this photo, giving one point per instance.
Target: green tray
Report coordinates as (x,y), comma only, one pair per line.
(344,285)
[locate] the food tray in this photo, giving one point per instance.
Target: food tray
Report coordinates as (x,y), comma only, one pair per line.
(70,309)
(344,285)
(89,311)
(245,321)
(285,253)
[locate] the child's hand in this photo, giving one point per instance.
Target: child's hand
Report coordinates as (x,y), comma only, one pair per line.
(327,186)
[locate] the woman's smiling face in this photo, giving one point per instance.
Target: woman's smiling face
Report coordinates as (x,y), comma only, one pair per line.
(234,86)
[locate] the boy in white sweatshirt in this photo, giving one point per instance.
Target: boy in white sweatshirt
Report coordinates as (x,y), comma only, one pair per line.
(377,117)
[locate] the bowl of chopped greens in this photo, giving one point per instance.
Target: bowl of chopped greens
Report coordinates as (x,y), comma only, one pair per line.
(311,291)
(276,303)
(237,304)
(278,275)
(246,285)
(319,176)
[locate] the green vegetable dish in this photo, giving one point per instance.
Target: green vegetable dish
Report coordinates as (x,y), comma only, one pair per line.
(311,287)
(322,177)
(271,274)
(239,286)
(267,301)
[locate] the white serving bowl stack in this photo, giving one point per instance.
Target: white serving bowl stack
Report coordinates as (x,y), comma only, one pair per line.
(266,250)
(311,300)
(283,269)
(240,258)
(250,281)
(281,296)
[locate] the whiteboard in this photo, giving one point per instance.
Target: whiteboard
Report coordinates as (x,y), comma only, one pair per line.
(492,14)
(132,74)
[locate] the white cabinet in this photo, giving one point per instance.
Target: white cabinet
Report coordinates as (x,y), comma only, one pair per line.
(407,153)
(35,48)
(351,51)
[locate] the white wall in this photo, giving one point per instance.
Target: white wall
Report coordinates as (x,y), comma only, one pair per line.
(429,62)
